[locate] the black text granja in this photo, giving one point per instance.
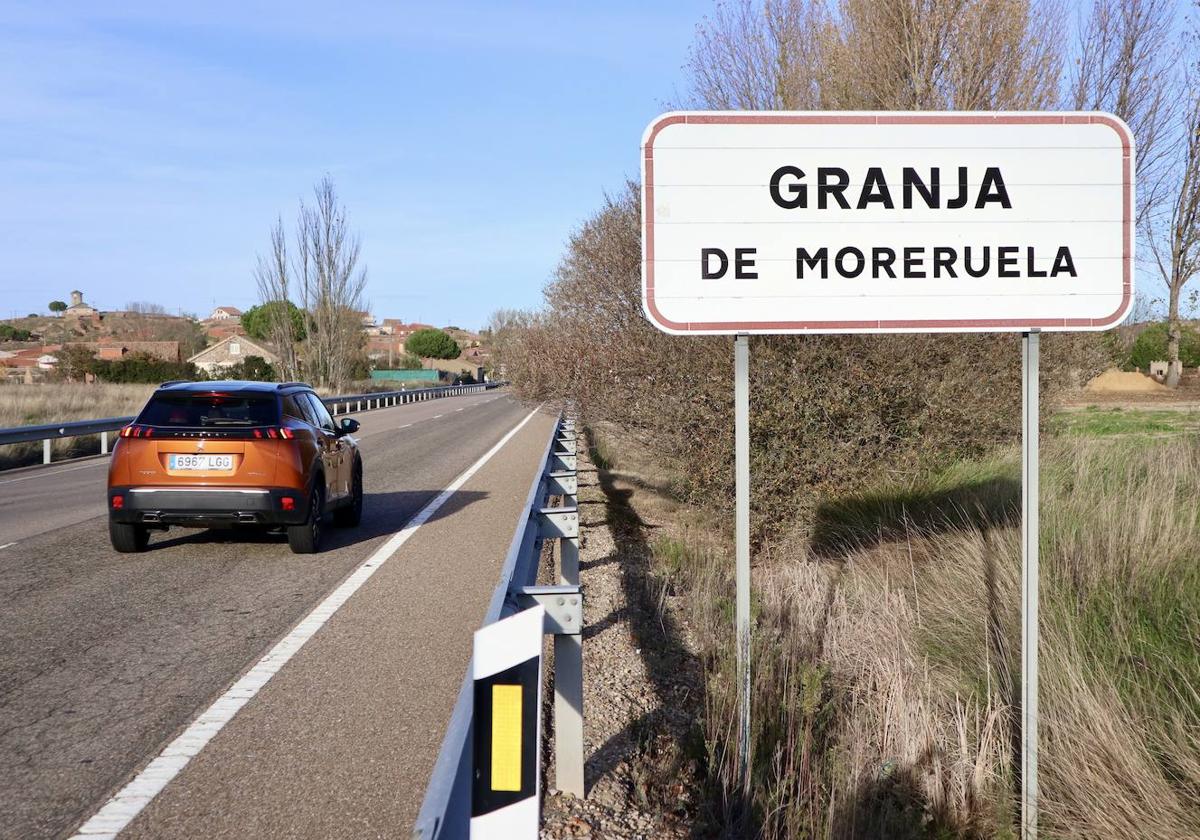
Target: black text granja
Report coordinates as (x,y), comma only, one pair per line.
(789,190)
(830,189)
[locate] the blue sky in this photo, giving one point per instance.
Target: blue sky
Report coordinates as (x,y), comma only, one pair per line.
(147,147)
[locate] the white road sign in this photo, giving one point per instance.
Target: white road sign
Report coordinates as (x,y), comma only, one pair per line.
(765,222)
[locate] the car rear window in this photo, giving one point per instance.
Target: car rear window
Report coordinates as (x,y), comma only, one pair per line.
(210,410)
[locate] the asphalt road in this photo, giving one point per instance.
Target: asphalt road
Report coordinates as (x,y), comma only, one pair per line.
(104,658)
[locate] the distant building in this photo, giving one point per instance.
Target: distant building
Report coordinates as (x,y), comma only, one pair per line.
(225,313)
(112,349)
(229,352)
(385,349)
(28,364)
(218,330)
(397,327)
(79,310)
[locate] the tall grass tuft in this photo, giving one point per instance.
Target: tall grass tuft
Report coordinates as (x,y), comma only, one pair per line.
(886,654)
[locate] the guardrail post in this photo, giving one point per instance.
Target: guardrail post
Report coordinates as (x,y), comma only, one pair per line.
(104,443)
(46,451)
(568,648)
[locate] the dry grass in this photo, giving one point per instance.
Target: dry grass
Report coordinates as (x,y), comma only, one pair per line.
(887,659)
(30,405)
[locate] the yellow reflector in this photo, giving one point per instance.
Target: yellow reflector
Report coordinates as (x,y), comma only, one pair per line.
(506,737)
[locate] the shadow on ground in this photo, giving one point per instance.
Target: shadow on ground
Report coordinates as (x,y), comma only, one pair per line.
(863,521)
(383,514)
(665,746)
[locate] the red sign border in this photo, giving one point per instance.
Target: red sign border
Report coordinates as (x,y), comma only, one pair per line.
(933,325)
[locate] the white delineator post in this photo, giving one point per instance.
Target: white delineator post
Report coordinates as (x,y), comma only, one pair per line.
(741,433)
(1029,584)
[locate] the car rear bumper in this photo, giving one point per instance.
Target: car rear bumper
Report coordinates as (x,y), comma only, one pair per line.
(204,507)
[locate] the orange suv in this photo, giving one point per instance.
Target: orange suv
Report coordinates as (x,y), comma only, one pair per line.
(226,454)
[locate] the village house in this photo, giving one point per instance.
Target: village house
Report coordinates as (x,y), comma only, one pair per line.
(218,330)
(397,327)
(225,313)
(385,349)
(28,364)
(229,352)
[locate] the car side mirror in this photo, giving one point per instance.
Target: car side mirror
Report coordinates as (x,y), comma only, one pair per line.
(348,426)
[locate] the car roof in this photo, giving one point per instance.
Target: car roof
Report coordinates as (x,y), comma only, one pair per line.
(238,385)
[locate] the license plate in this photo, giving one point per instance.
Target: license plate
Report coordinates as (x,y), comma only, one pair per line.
(213,463)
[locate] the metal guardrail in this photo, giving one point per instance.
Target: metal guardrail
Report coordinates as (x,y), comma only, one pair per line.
(50,432)
(386,399)
(446,810)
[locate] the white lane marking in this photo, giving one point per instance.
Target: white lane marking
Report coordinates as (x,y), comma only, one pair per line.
(129,801)
(436,416)
(56,472)
(6,545)
(458,409)
(406,425)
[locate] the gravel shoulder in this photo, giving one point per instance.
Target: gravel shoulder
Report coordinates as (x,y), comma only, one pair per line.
(642,680)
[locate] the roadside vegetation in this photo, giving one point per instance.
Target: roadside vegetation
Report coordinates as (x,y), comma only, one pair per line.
(886,487)
(61,402)
(1095,421)
(887,646)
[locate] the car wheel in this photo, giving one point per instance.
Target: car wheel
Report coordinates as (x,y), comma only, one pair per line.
(128,538)
(306,538)
(351,514)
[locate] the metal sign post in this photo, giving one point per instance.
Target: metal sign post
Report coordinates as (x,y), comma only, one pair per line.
(1029,584)
(741,447)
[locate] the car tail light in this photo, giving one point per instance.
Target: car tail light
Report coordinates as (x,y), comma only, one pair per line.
(118,502)
(287,503)
(286,433)
(137,431)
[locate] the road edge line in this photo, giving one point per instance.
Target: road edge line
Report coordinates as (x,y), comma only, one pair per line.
(124,806)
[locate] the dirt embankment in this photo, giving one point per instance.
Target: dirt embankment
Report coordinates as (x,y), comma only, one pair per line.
(1130,389)
(1114,381)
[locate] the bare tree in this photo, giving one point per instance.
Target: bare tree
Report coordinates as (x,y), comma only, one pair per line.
(747,58)
(273,276)
(1126,65)
(1174,235)
(947,54)
(878,54)
(142,307)
(331,286)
